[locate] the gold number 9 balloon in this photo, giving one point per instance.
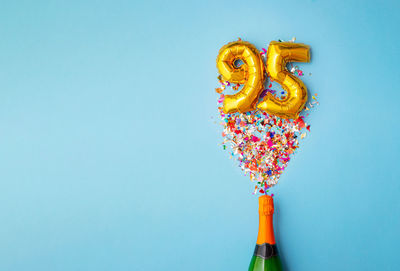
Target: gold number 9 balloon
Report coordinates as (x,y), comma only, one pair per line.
(251,73)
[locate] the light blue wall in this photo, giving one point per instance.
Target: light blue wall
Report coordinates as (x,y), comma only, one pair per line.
(109,158)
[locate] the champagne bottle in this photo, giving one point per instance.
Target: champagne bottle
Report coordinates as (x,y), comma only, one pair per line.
(265,254)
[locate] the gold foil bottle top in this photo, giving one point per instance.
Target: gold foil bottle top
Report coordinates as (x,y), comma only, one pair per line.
(266,205)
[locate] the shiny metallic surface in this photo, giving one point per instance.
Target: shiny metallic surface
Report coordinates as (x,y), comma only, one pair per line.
(278,55)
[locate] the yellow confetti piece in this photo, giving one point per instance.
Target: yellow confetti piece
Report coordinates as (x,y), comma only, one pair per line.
(303,135)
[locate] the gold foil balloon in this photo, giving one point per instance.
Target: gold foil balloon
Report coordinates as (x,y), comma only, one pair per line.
(279,53)
(250,73)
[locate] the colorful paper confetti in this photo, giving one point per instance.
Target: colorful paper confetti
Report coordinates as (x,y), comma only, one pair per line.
(263,144)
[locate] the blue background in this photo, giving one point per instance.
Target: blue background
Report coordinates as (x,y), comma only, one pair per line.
(110,160)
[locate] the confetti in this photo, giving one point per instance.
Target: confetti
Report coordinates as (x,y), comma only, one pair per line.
(263,144)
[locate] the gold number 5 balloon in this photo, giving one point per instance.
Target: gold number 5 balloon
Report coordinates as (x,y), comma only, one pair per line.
(279,53)
(251,73)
